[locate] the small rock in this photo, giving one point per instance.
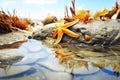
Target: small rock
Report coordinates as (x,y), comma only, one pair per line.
(49,19)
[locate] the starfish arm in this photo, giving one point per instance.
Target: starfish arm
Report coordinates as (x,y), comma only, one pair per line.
(70,33)
(70,23)
(59,37)
(55,32)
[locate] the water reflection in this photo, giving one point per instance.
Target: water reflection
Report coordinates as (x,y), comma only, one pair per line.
(98,57)
(43,62)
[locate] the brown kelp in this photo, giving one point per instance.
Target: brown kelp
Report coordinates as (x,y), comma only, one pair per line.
(10,23)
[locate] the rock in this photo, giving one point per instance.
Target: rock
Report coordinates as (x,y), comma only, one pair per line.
(43,32)
(13,45)
(13,37)
(9,57)
(102,33)
(49,19)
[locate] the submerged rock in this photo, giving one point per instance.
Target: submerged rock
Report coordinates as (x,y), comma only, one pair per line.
(13,45)
(101,32)
(8,57)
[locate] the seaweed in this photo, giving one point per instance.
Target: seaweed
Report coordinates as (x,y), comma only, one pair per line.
(86,15)
(10,23)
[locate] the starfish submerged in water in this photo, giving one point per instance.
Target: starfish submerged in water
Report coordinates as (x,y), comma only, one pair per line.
(62,28)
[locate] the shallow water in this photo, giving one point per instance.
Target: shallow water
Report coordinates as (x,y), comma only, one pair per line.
(43,62)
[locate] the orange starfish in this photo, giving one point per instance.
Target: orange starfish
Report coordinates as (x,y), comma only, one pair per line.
(62,28)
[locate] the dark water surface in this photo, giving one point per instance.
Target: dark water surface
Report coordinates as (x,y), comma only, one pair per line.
(40,62)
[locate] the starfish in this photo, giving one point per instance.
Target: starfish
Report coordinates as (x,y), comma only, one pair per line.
(62,28)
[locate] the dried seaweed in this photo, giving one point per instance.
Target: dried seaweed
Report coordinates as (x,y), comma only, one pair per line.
(113,11)
(72,8)
(82,15)
(86,16)
(9,22)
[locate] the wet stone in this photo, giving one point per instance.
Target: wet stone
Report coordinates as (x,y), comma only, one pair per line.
(9,57)
(104,33)
(44,31)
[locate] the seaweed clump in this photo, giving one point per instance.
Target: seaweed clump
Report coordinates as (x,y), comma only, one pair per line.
(10,23)
(86,15)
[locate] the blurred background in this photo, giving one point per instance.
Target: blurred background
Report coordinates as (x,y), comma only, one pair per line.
(39,9)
